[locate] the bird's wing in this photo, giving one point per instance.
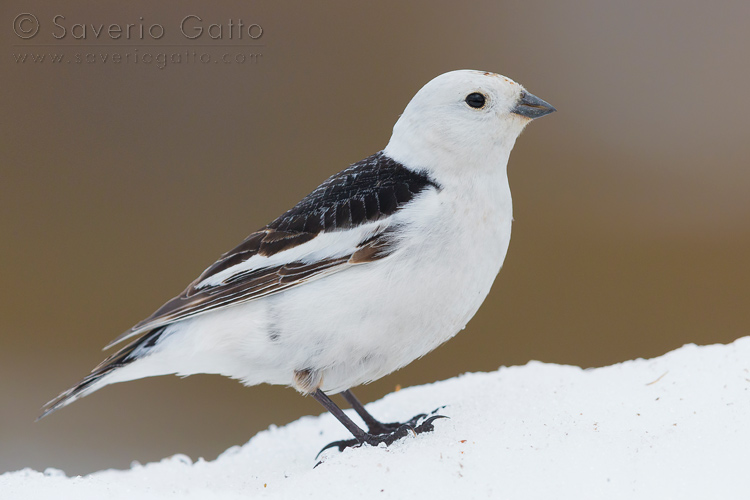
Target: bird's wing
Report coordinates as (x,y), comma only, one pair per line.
(346,221)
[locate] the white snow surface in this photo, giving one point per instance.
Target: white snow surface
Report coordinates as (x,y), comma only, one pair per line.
(670,427)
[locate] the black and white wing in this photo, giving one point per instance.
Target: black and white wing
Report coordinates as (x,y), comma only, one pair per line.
(342,223)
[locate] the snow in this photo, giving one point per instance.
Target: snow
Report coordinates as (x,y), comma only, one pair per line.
(670,427)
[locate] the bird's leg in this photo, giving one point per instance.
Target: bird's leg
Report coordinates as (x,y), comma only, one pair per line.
(328,404)
(374,426)
(360,436)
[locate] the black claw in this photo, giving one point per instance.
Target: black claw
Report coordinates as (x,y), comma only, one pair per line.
(389,433)
(388,439)
(394,426)
(427,426)
(372,439)
(415,419)
(341,445)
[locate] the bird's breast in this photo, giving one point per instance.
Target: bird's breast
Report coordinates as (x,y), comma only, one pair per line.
(459,257)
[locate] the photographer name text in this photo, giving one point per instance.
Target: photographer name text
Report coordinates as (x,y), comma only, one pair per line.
(191,27)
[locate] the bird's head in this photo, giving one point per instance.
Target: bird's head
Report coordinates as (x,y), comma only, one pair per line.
(466,114)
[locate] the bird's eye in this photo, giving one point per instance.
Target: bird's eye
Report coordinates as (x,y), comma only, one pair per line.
(475,100)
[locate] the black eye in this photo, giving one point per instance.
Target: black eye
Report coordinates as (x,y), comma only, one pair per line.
(475,100)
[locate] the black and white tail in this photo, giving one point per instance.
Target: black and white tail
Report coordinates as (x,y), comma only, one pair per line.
(97,379)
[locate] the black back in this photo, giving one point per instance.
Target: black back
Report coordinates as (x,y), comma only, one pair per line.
(368,190)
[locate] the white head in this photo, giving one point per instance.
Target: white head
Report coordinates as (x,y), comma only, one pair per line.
(463,116)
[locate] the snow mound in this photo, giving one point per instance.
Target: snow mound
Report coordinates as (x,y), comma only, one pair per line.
(670,427)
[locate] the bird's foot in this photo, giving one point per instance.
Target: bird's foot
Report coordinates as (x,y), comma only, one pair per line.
(388,433)
(389,428)
(381,428)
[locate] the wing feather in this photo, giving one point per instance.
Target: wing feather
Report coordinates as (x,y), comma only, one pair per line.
(342,223)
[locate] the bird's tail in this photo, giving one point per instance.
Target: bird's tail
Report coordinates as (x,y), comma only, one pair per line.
(98,376)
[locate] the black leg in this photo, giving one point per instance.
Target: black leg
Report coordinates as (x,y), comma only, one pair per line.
(337,412)
(370,421)
(360,436)
(374,426)
(378,432)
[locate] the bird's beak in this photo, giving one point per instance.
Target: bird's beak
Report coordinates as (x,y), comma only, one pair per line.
(532,107)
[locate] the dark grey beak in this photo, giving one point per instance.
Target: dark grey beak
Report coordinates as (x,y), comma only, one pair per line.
(532,107)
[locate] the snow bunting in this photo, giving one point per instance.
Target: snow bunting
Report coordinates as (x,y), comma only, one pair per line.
(379,265)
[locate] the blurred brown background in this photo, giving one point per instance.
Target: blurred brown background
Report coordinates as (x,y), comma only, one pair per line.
(120,183)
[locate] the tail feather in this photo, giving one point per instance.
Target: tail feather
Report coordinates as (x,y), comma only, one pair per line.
(92,382)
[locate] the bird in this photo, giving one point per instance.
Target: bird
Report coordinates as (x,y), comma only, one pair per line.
(379,265)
